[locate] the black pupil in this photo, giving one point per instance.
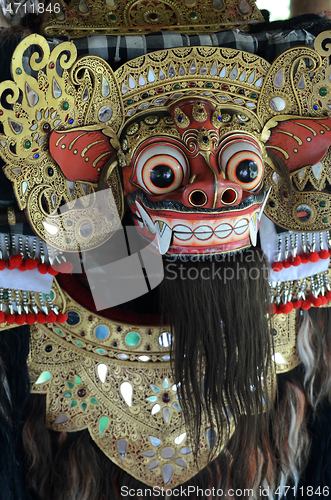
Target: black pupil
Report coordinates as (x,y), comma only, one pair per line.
(162,176)
(247,171)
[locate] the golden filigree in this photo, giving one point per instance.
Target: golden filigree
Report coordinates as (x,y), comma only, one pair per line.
(83,17)
(282,207)
(143,131)
(182,121)
(199,112)
(284,330)
(235,120)
(207,139)
(81,95)
(288,88)
(298,85)
(152,13)
(224,76)
(115,380)
(216,118)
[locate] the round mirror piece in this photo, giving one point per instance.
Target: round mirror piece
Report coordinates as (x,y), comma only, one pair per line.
(105,113)
(277,104)
(73,318)
(101,332)
(165,339)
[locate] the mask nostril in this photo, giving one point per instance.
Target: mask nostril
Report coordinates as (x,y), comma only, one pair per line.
(197,198)
(229,196)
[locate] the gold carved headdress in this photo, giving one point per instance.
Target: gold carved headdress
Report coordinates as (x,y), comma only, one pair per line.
(120,17)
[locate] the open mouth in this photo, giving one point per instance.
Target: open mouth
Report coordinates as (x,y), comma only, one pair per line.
(179,229)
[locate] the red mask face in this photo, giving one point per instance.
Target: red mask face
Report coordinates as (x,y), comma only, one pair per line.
(195,179)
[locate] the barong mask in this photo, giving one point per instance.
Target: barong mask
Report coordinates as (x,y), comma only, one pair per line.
(192,164)
(185,128)
(188,128)
(196,177)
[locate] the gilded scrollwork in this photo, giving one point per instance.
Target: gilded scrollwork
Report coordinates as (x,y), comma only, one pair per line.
(140,16)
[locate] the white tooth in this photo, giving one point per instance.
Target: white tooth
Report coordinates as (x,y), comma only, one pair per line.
(163,234)
(223,230)
(253,229)
(264,204)
(182,232)
(203,232)
(141,225)
(146,218)
(317,169)
(300,174)
(241,226)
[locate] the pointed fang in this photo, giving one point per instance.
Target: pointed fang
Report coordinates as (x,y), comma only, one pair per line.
(164,235)
(253,228)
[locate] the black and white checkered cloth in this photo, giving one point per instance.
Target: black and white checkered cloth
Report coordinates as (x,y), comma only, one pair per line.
(119,49)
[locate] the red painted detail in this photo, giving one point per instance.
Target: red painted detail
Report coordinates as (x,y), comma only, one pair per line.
(314,144)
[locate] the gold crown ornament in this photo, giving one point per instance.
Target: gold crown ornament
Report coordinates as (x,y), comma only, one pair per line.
(120,17)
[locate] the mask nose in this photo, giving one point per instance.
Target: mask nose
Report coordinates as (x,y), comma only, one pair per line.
(197,198)
(229,196)
(216,194)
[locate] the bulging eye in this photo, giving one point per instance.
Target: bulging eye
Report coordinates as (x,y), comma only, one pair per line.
(242,163)
(161,169)
(245,168)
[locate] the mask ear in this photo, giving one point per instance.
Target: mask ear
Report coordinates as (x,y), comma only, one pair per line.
(298,142)
(87,154)
(82,153)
